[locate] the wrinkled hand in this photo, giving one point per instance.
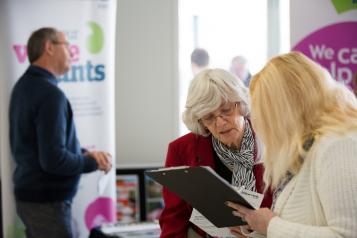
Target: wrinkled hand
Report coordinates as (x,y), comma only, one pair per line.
(258,220)
(103,160)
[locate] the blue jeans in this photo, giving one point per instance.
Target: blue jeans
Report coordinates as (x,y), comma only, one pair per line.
(46,219)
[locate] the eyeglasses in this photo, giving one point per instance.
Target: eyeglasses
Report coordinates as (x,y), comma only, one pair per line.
(65,43)
(225,112)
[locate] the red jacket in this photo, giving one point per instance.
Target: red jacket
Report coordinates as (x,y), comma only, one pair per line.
(193,150)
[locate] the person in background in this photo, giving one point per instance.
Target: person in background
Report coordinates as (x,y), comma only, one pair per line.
(239,67)
(199,60)
(308,124)
(44,145)
(221,137)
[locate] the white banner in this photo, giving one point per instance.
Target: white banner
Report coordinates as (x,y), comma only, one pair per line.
(326,31)
(90,28)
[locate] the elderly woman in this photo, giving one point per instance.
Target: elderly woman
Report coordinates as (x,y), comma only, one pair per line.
(308,124)
(221,137)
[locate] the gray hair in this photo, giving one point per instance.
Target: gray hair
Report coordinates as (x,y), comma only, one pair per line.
(240,59)
(200,57)
(207,92)
(37,40)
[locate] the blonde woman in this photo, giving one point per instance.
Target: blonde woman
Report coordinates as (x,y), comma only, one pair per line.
(221,137)
(308,123)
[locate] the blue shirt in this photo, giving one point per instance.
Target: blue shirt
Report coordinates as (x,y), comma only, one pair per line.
(43,140)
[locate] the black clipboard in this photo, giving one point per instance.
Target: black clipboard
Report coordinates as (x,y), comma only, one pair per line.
(204,190)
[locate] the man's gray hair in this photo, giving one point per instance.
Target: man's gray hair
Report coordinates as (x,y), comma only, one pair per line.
(37,40)
(200,57)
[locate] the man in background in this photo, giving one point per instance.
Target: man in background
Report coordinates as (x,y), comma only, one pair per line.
(239,67)
(43,140)
(199,60)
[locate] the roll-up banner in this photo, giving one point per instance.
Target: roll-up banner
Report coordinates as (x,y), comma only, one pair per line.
(326,31)
(90,28)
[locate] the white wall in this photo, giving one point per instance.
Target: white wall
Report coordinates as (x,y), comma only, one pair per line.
(146,81)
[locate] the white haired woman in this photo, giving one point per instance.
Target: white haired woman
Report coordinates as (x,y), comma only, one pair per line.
(308,124)
(221,137)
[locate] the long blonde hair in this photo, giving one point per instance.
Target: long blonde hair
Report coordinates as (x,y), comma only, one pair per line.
(292,99)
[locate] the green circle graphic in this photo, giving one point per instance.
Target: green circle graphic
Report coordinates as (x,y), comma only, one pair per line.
(95,40)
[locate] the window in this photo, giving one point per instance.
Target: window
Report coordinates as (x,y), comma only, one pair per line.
(255,29)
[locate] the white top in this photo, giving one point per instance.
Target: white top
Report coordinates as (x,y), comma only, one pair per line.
(321,200)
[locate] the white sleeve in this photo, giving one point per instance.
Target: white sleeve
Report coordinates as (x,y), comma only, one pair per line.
(336,185)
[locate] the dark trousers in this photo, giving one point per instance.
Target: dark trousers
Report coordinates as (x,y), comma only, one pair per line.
(46,219)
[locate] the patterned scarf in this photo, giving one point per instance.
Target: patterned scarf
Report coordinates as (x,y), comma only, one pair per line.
(240,162)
